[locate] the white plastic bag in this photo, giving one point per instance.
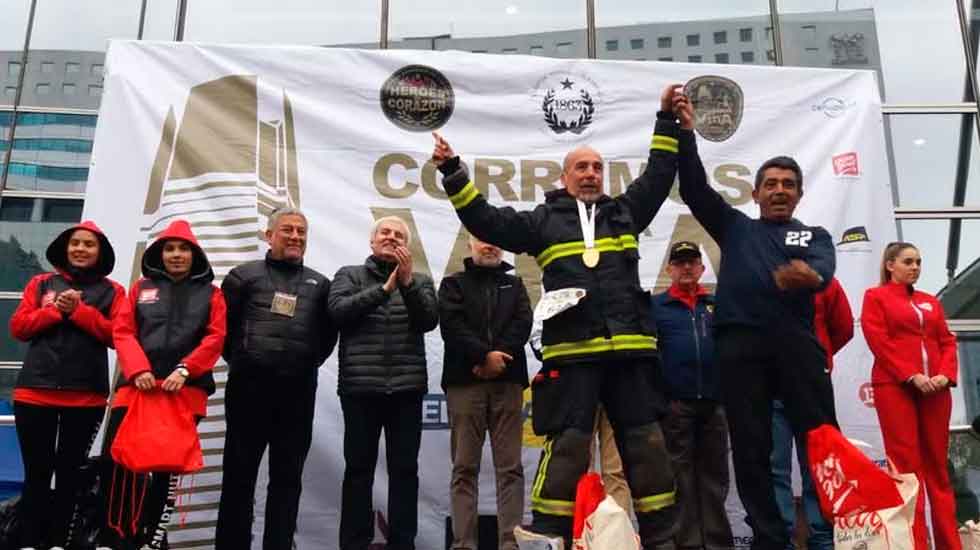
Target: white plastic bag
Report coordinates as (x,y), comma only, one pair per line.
(608,528)
(970,535)
(887,529)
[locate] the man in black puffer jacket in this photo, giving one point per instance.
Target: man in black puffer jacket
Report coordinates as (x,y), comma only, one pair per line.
(383,310)
(279,332)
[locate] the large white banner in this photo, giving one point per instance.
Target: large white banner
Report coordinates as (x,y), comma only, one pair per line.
(220,135)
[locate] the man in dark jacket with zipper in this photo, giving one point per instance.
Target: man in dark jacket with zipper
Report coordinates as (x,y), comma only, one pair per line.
(383,311)
(601,346)
(695,427)
(771,268)
(485,317)
(279,333)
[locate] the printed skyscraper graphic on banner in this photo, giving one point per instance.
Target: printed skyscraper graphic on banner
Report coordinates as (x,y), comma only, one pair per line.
(223,170)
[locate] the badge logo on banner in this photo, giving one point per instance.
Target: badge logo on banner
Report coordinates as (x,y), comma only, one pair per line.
(418,98)
(846,164)
(718,103)
(568,103)
(855,239)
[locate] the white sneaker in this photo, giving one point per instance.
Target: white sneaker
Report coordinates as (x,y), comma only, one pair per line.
(527,540)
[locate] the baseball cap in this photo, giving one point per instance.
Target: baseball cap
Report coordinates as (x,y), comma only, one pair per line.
(683,250)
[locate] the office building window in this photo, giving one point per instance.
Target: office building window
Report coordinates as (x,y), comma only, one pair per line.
(721,58)
(72,67)
(13,68)
(665,59)
(479,51)
(47,67)
(694,59)
(745,35)
(612,45)
(43,89)
(95,91)
(664,42)
(68,89)
(748,57)
(694,40)
(721,37)
(563,48)
(97,69)
(509,50)
(537,50)
(636,43)
(10,91)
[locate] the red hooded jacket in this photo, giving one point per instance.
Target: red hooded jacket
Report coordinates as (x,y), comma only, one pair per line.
(907,333)
(165,323)
(79,375)
(833,321)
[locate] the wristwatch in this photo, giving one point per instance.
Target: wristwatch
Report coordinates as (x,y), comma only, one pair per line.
(182,370)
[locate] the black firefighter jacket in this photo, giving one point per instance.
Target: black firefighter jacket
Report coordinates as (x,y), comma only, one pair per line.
(613,320)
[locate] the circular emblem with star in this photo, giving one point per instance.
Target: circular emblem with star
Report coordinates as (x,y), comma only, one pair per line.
(569,104)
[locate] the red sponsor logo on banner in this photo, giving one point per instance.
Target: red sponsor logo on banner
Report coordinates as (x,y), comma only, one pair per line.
(866,393)
(846,164)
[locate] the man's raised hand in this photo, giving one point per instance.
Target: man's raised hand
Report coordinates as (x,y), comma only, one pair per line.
(442,151)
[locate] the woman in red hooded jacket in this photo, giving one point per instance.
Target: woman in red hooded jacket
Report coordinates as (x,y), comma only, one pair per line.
(168,337)
(915,365)
(60,396)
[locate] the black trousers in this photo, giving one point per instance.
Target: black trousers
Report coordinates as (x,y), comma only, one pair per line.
(161,496)
(53,440)
(757,367)
(365,416)
(565,399)
(697,439)
(264,411)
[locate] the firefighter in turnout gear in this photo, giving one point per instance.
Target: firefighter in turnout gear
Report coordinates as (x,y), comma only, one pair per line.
(601,349)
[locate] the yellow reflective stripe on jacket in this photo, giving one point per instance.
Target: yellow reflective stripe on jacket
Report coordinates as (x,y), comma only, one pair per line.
(664,143)
(546,505)
(465,196)
(654,502)
(619,342)
(572,248)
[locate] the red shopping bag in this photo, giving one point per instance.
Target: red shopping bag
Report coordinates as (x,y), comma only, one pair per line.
(158,434)
(846,480)
(588,494)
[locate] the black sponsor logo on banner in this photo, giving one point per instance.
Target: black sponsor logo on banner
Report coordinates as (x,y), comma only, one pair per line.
(418,98)
(855,239)
(718,104)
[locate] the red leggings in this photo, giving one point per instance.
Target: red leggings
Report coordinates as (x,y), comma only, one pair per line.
(915,428)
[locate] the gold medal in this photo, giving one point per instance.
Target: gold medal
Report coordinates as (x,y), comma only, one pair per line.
(590,257)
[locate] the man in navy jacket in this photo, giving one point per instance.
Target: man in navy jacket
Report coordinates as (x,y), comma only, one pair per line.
(695,426)
(771,268)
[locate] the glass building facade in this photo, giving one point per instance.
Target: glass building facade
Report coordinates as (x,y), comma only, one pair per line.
(923,52)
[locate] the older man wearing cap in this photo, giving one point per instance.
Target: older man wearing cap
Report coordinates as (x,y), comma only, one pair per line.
(695,426)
